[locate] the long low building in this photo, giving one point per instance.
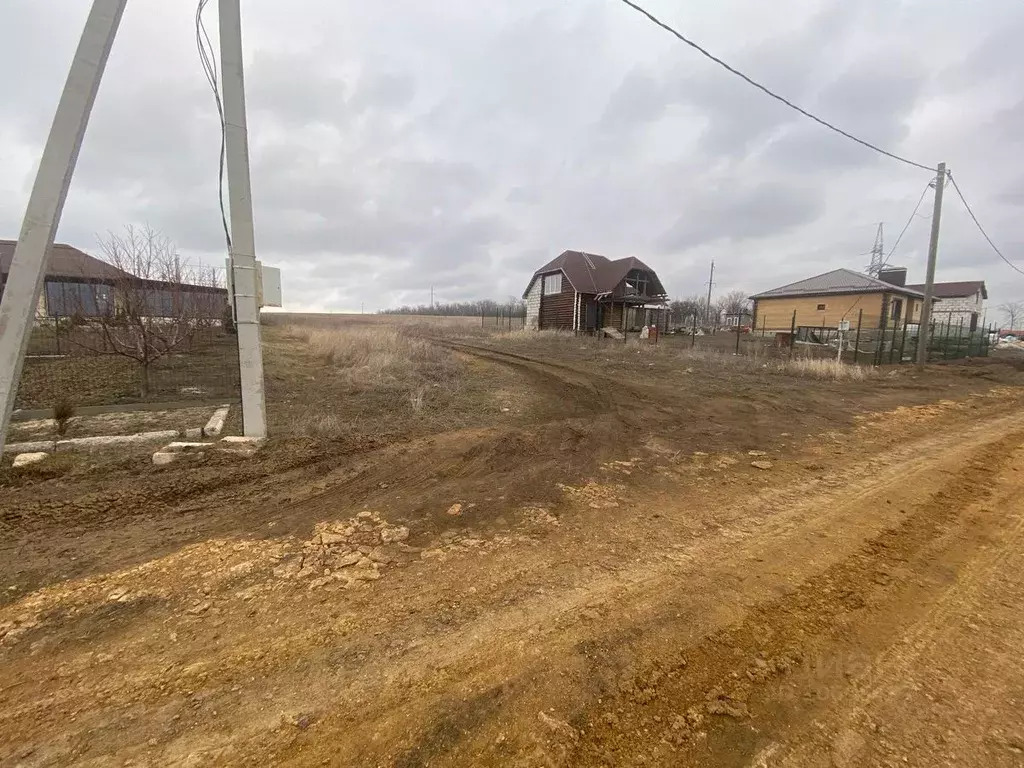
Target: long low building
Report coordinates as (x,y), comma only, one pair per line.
(826,300)
(77,284)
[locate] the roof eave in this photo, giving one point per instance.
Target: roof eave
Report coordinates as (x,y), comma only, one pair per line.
(811,294)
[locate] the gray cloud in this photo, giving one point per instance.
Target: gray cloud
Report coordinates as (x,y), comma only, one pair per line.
(740,213)
(461,145)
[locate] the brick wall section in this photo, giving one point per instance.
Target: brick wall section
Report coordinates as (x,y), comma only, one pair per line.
(961,308)
(533,305)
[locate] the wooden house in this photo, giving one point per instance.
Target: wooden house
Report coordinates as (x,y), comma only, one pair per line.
(586,292)
(825,301)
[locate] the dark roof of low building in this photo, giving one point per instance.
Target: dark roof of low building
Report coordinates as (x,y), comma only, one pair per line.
(65,261)
(956,290)
(837,281)
(593,273)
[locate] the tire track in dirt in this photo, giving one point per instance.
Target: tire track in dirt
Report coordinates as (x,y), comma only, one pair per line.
(639,587)
(709,698)
(455,465)
(849,729)
(697,669)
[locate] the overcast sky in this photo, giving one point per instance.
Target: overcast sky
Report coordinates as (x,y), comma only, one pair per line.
(461,144)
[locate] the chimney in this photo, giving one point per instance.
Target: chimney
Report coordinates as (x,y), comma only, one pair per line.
(894,276)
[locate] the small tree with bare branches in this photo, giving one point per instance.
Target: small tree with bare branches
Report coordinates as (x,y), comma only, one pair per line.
(1013,312)
(153,306)
(683,311)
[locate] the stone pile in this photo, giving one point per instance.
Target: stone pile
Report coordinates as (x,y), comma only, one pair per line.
(349,551)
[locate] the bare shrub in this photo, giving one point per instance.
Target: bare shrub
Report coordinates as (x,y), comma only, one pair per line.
(63,413)
(416,398)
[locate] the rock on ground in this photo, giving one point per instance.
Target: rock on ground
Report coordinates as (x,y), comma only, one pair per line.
(24,459)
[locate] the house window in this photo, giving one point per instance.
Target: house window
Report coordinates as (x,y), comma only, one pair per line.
(70,299)
(552,284)
(821,307)
(897,309)
(636,283)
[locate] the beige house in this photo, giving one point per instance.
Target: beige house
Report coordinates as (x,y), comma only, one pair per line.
(824,301)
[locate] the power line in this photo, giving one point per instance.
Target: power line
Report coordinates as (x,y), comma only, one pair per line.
(978,225)
(920,200)
(892,250)
(207,59)
(771,93)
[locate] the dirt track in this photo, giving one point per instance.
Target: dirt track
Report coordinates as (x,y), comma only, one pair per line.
(604,594)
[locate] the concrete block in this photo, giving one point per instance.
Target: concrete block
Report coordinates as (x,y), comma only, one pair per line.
(180,446)
(23,459)
(163,457)
(216,423)
(242,440)
(107,441)
(29,447)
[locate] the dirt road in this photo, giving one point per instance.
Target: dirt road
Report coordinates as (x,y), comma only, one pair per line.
(856,602)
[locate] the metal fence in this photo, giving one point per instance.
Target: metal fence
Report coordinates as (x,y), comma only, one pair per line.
(874,346)
(79,365)
(511,318)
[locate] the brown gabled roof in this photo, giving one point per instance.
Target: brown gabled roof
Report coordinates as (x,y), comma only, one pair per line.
(65,261)
(955,290)
(593,273)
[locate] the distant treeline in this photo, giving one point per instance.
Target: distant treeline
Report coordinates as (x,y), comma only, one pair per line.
(481,307)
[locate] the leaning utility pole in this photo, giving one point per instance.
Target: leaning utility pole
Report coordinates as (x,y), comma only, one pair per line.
(924,331)
(46,201)
(242,253)
(711,282)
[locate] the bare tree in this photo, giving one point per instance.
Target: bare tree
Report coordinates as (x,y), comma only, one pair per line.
(734,303)
(152,305)
(684,310)
(1013,311)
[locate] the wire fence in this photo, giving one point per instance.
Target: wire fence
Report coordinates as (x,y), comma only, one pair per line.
(78,365)
(510,318)
(949,340)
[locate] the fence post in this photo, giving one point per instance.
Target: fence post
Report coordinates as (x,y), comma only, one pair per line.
(792,335)
(693,335)
(764,324)
(737,339)
(856,343)
(903,342)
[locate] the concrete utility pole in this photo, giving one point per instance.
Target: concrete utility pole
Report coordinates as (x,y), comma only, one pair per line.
(46,202)
(707,308)
(243,246)
(924,331)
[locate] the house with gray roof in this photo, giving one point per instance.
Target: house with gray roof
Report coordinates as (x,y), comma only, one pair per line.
(827,300)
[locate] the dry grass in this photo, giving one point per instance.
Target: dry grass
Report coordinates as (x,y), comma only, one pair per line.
(830,368)
(377,372)
(752,359)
